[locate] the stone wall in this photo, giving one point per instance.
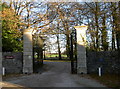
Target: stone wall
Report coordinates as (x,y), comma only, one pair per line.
(109,61)
(12,61)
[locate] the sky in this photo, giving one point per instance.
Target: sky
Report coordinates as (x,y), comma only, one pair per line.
(54,46)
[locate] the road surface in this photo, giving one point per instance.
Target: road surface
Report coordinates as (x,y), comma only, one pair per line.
(55,74)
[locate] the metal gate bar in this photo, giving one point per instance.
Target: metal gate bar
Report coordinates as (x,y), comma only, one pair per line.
(73,53)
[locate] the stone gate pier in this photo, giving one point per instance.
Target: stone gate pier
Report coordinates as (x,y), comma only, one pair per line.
(27,51)
(81,50)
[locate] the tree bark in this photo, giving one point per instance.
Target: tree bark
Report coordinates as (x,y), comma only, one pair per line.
(104,34)
(97,26)
(118,28)
(59,52)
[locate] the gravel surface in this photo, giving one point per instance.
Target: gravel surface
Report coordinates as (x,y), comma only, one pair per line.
(55,74)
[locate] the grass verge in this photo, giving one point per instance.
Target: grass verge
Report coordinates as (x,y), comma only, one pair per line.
(11,76)
(110,80)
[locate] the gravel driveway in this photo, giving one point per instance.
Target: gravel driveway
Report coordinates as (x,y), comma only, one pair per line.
(55,74)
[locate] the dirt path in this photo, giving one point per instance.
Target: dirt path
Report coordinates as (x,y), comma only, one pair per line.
(56,74)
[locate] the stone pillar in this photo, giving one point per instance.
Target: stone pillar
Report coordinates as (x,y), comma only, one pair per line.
(27,51)
(81,50)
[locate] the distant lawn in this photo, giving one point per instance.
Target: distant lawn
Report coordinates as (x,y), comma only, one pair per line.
(57,61)
(55,55)
(110,80)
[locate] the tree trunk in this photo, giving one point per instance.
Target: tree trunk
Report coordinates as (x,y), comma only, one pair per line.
(59,52)
(67,45)
(116,23)
(104,35)
(118,29)
(97,26)
(113,40)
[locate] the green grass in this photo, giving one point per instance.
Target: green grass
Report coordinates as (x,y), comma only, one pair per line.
(55,55)
(57,61)
(110,80)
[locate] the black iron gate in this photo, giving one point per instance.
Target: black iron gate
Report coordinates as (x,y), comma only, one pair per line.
(73,52)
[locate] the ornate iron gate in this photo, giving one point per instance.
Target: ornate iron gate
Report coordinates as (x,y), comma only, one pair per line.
(73,52)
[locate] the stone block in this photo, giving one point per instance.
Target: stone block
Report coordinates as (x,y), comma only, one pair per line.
(27,60)
(28,53)
(29,30)
(28,42)
(27,64)
(82,64)
(27,37)
(27,70)
(26,49)
(29,46)
(82,70)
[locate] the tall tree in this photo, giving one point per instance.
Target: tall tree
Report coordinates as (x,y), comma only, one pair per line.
(11,35)
(115,24)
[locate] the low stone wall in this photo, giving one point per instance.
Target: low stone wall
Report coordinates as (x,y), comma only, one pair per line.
(109,61)
(12,61)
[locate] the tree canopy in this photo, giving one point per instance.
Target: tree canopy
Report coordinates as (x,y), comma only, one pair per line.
(102,19)
(11,34)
